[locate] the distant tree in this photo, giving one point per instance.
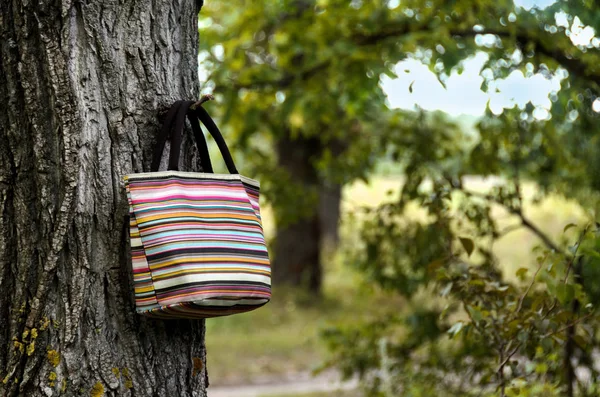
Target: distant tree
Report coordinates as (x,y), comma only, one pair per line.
(302,75)
(81,84)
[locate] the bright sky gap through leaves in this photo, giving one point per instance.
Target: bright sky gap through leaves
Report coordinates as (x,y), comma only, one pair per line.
(461,94)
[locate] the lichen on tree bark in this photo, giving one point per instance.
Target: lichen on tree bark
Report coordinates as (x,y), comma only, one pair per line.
(80,87)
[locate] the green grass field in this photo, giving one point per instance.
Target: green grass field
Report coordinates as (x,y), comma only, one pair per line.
(333,394)
(282,338)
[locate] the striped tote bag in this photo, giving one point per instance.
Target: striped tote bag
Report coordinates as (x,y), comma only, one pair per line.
(197,243)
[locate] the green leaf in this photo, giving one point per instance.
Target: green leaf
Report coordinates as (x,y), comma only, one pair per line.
(455,329)
(522,272)
(541,368)
(565,293)
(475,313)
(446,290)
(436,264)
(390,73)
(590,252)
(467,244)
(580,341)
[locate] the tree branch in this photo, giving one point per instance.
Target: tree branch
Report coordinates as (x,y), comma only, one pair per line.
(522,298)
(573,65)
(566,327)
(541,235)
(509,356)
(284,81)
(570,265)
(509,229)
(515,211)
(394,32)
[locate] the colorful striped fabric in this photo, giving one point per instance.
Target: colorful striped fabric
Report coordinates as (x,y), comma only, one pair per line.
(197,244)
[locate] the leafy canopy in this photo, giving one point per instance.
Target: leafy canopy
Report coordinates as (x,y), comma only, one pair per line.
(312,69)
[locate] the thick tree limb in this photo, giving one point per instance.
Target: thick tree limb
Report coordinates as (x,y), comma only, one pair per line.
(575,66)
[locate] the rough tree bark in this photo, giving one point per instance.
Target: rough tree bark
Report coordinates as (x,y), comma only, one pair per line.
(80,86)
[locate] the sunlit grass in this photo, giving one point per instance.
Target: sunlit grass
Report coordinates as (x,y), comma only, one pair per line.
(276,339)
(337,393)
(283,336)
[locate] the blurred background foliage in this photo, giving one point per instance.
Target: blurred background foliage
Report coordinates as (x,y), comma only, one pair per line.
(423,252)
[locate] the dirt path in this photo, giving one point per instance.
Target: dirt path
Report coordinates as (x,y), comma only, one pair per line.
(300,384)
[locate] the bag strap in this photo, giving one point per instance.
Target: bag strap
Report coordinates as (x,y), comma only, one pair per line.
(177,135)
(174,123)
(212,128)
(200,144)
(164,134)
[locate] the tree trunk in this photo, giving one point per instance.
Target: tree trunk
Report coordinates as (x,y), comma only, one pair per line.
(80,87)
(330,204)
(297,250)
(299,244)
(330,208)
